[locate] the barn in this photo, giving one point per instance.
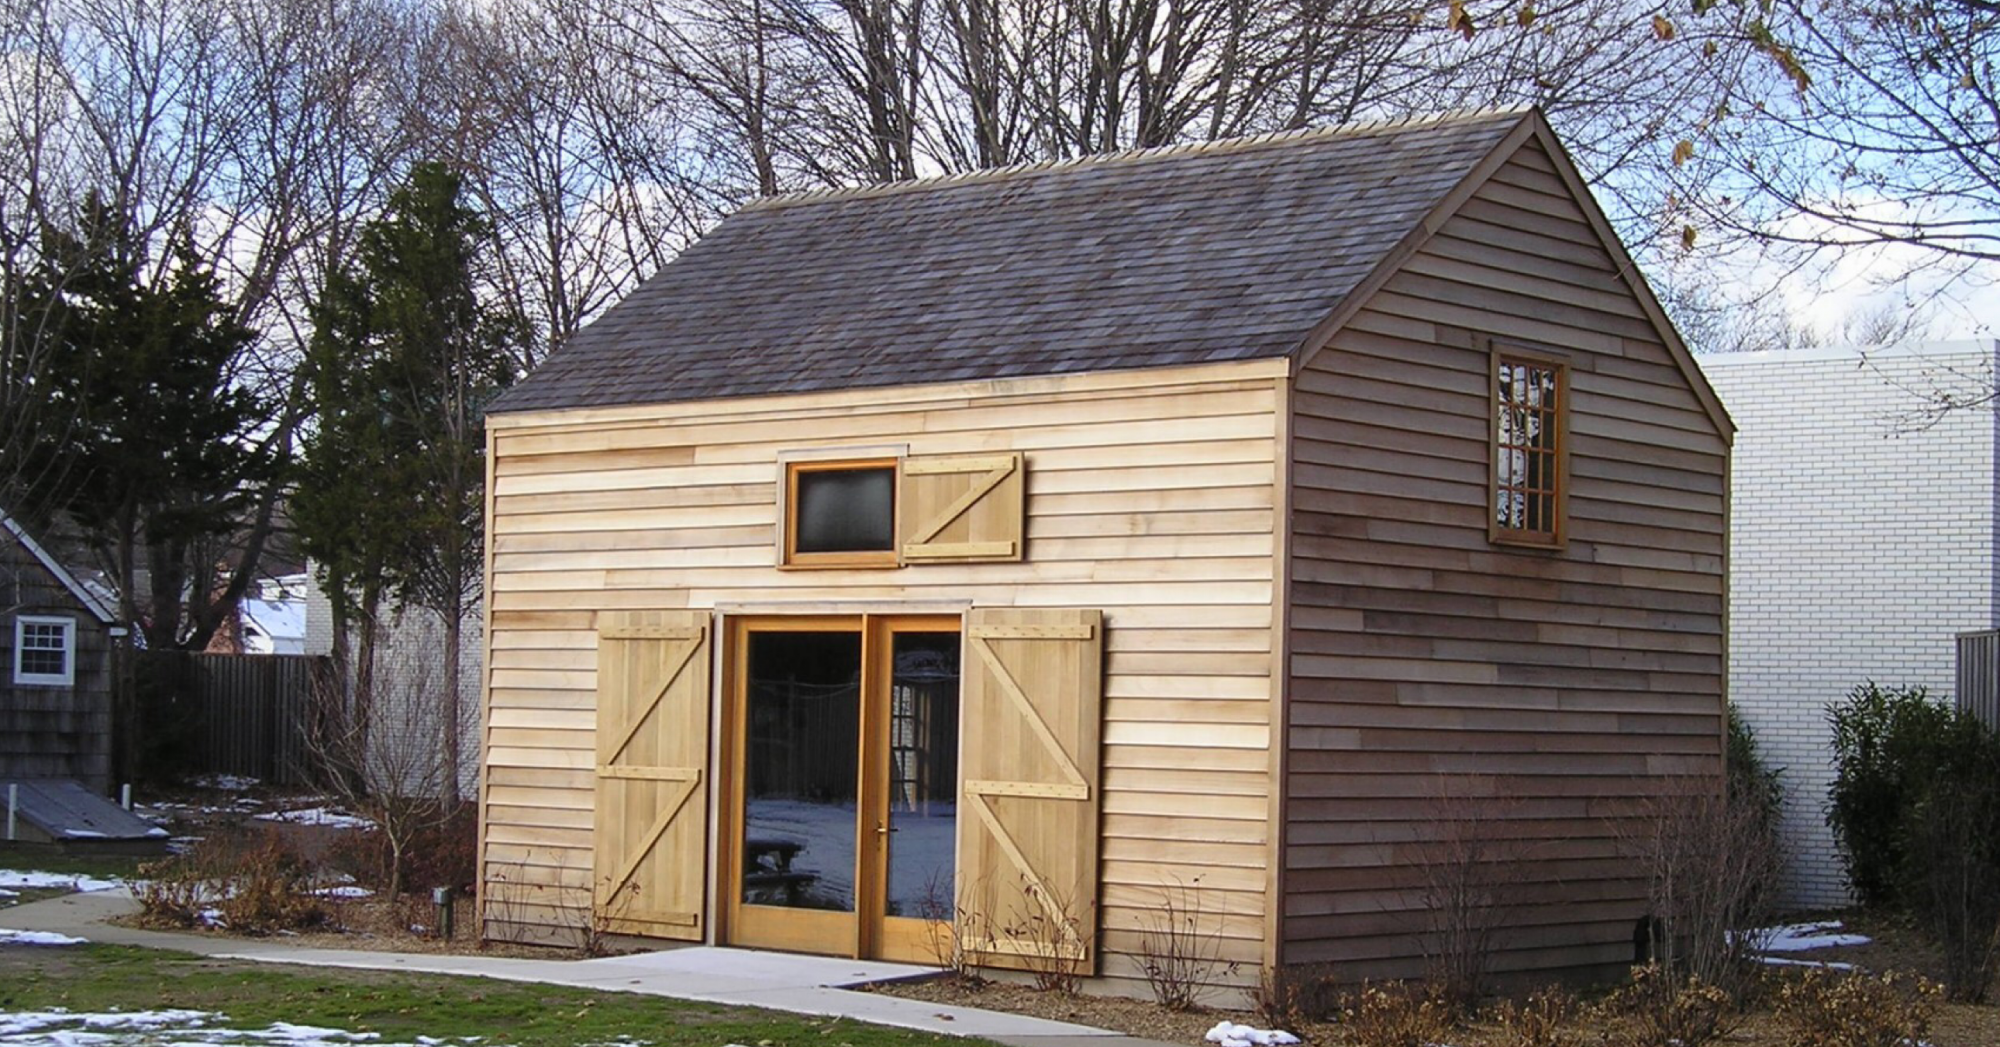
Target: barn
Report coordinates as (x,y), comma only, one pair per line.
(988,562)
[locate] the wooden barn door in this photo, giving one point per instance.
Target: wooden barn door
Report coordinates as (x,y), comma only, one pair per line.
(1027,862)
(652,756)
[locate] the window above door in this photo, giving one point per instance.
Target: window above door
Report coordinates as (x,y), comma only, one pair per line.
(875,510)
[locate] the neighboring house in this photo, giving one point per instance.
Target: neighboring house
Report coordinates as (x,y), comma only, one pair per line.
(1863,538)
(56,694)
(407,720)
(1037,546)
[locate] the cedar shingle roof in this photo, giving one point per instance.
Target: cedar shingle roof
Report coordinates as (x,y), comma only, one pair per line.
(1184,255)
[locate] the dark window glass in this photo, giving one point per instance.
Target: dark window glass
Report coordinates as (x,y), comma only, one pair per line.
(800,770)
(845,510)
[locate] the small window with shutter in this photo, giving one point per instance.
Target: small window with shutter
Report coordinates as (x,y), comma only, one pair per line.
(840,513)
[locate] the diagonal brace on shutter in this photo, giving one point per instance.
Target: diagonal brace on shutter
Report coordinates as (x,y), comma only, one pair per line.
(977,640)
(1032,880)
(689,778)
(997,470)
(678,666)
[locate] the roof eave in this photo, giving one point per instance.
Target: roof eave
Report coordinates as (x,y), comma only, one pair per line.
(83,596)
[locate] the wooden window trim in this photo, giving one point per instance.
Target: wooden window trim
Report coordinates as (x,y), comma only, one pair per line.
(789,556)
(1557,536)
(66,678)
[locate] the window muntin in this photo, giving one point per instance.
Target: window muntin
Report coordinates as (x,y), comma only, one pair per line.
(1529,397)
(841,513)
(44,651)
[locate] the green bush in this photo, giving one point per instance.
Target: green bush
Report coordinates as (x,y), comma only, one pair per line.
(1915,806)
(1882,742)
(1749,779)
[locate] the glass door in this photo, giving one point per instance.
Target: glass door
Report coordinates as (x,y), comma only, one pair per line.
(841,776)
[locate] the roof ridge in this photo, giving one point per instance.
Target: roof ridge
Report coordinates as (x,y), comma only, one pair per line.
(1218,145)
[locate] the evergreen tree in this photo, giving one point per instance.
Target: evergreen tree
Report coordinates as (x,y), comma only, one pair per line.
(159,455)
(407,353)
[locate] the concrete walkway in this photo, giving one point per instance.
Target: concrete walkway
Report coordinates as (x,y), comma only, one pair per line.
(742,977)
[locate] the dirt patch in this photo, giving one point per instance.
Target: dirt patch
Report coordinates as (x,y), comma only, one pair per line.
(1132,1017)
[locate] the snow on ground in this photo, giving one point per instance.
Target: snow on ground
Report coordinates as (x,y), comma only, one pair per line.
(1231,1034)
(10,937)
(229,783)
(61,1028)
(345,890)
(182,1028)
(317,816)
(17,878)
(1799,937)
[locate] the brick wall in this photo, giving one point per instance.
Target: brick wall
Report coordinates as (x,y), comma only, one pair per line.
(1863,538)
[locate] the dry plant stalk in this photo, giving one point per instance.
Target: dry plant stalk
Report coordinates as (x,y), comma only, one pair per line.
(1294,995)
(948,926)
(1180,948)
(1396,1014)
(1711,862)
(1469,870)
(1053,936)
(1669,1008)
(1542,1020)
(1826,1009)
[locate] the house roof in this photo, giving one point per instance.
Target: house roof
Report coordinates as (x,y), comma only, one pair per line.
(90,600)
(1223,251)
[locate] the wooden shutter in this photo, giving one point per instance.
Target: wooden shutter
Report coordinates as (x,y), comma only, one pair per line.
(651,844)
(1028,772)
(962,508)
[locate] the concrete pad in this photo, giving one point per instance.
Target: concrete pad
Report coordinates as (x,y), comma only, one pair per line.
(707,974)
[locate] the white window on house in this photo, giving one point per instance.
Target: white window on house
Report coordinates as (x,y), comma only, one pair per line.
(44,651)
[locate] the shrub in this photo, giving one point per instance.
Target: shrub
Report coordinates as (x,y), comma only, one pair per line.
(1291,996)
(1710,860)
(1750,781)
(1180,948)
(270,890)
(1950,877)
(1395,1015)
(1882,741)
(1664,1008)
(1827,1009)
(441,852)
(1542,1020)
(1470,871)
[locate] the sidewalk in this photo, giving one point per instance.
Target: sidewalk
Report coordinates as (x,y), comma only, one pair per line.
(742,977)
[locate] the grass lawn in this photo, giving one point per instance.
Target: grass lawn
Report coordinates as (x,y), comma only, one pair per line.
(48,859)
(402,1007)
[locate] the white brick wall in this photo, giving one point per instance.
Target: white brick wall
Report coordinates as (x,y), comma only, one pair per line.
(1861,540)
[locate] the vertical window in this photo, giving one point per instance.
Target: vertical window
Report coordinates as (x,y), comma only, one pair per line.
(1529,395)
(841,513)
(44,651)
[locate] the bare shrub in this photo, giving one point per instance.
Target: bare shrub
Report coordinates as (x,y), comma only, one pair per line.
(1052,932)
(1294,995)
(1544,1019)
(1828,1009)
(176,892)
(270,889)
(1396,1014)
(1665,1007)
(949,923)
(390,765)
(1180,948)
(1469,870)
(1711,861)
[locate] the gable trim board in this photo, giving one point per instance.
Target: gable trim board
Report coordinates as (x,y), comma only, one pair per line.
(91,604)
(1263,605)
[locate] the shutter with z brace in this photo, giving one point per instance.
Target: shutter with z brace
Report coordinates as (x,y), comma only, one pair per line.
(961,508)
(1029,763)
(650,833)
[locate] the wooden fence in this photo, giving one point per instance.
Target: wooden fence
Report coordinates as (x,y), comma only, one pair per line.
(1978,685)
(244,714)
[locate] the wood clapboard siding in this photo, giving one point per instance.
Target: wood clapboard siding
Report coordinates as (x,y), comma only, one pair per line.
(1149,496)
(1426,659)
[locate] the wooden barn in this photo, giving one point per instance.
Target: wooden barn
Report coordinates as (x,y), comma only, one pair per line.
(56,695)
(1021,551)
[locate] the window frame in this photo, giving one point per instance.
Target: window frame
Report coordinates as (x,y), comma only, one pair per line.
(66,678)
(789,556)
(1556,537)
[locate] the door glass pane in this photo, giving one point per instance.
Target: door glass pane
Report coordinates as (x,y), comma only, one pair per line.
(803,732)
(923,774)
(846,510)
